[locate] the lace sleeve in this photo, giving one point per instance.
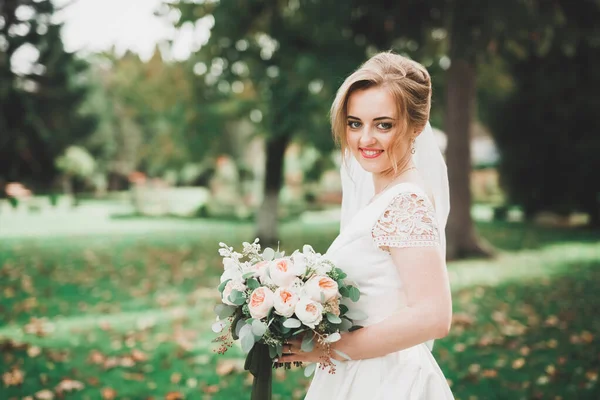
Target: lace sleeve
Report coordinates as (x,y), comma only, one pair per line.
(408,221)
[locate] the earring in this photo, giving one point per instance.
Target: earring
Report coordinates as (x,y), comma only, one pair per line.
(413,150)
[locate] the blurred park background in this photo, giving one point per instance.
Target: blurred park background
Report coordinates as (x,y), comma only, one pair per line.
(137,134)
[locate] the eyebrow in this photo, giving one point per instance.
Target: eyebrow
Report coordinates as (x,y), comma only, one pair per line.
(374,119)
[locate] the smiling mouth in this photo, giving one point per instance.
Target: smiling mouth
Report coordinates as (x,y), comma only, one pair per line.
(370,153)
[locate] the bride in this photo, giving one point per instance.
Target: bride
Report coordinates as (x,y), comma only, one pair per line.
(392,242)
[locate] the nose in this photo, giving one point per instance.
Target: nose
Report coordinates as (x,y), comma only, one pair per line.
(366,137)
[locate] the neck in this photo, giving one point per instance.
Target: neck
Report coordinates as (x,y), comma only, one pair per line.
(383,180)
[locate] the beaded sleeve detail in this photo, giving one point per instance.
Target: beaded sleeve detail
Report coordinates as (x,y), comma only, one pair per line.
(408,221)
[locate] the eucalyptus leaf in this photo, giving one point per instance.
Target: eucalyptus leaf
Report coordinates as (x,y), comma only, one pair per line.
(258,328)
(344,355)
(224,311)
(310,369)
(246,338)
(354,294)
(252,284)
(238,326)
(355,328)
(218,326)
(356,315)
(334,319)
(344,291)
(268,254)
(248,275)
(272,352)
(237,297)
(292,323)
(308,343)
(279,350)
(247,343)
(334,337)
(222,285)
(345,325)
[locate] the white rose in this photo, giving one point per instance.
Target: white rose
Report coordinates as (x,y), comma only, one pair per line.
(282,272)
(261,302)
(299,261)
(309,312)
(323,268)
(228,263)
(231,273)
(321,285)
(285,301)
(229,287)
(259,269)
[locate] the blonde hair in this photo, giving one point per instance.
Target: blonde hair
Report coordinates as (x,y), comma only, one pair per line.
(407,81)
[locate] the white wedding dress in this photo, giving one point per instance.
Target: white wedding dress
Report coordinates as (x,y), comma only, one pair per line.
(401,216)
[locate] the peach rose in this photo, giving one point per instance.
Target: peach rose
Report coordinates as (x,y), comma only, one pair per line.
(282,272)
(309,312)
(261,302)
(285,301)
(320,284)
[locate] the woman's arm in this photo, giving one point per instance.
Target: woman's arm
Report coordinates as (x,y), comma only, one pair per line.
(427,315)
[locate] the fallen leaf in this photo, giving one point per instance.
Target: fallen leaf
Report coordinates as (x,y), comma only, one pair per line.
(174,396)
(68,385)
(108,393)
(13,378)
(210,389)
(138,355)
(33,351)
(44,395)
(175,378)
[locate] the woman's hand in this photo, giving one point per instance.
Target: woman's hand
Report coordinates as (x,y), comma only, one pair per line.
(292,352)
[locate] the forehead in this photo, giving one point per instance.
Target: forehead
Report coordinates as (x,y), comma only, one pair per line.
(372,103)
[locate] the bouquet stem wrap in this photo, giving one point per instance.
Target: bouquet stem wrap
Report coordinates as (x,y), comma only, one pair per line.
(260,365)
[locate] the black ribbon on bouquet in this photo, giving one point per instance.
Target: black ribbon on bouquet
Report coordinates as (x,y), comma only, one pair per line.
(260,365)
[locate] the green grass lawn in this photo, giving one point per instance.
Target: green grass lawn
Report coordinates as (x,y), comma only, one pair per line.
(126,314)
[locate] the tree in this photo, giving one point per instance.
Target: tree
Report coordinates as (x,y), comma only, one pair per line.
(290,56)
(473,32)
(41,94)
(547,128)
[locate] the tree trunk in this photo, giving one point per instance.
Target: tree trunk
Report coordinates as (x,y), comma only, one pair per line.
(266,221)
(462,240)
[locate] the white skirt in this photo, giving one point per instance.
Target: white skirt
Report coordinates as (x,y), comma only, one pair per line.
(410,374)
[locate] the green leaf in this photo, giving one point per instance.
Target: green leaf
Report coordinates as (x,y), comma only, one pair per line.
(341,274)
(355,328)
(292,323)
(218,326)
(252,284)
(345,325)
(272,352)
(308,343)
(224,311)
(354,294)
(344,355)
(237,297)
(343,309)
(248,275)
(334,337)
(258,328)
(344,291)
(334,319)
(222,285)
(247,338)
(268,254)
(356,315)
(310,369)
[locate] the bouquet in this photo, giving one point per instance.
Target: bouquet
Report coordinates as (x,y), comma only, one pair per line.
(268,298)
